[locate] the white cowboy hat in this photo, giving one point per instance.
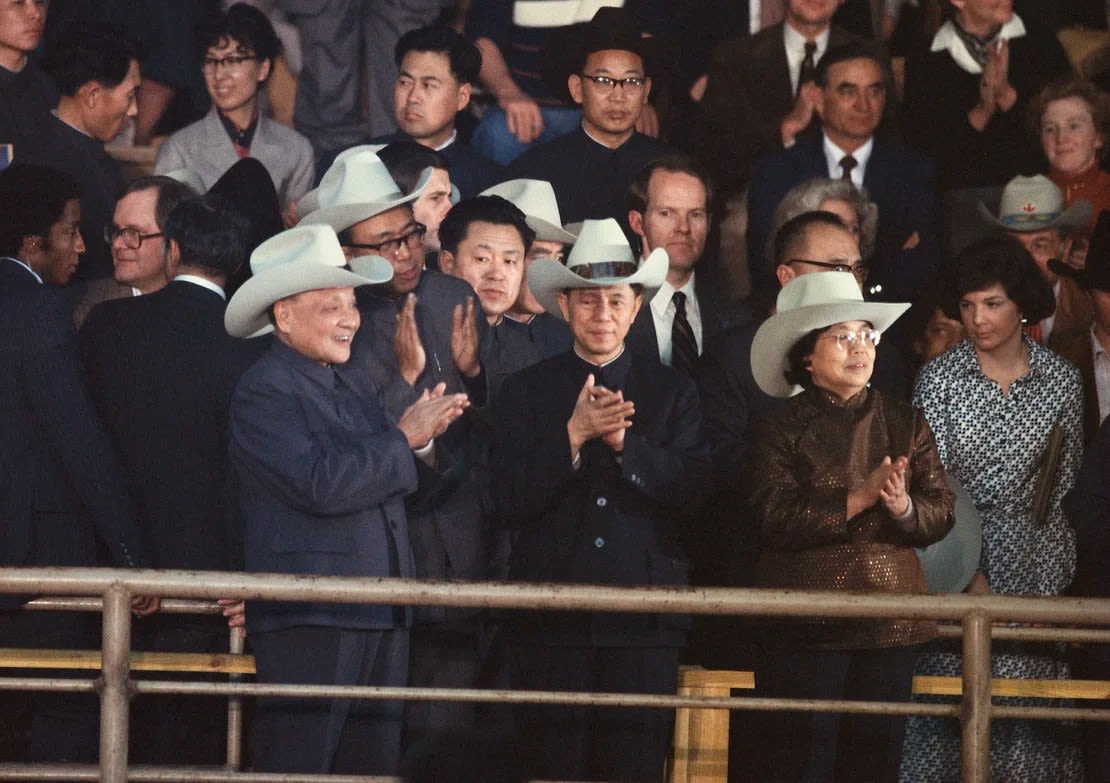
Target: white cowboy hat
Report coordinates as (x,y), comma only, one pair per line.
(1035,204)
(357,187)
(310,201)
(304,258)
(808,302)
(950,563)
(600,257)
(536,199)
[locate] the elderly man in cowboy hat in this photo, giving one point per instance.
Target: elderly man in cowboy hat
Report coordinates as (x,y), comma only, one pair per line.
(323,472)
(599,463)
(1032,211)
(536,199)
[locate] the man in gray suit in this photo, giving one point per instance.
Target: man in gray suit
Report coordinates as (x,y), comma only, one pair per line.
(323,474)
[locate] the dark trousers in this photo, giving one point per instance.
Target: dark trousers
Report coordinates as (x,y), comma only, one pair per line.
(441,657)
(329,735)
(179,730)
(594,743)
(823,747)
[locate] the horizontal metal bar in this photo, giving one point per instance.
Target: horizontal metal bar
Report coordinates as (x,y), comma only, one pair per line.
(90,772)
(497,595)
(1050,713)
(91,604)
(544,697)
(53,684)
(1035,634)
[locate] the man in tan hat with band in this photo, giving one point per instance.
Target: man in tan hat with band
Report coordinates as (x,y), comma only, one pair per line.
(1032,211)
(323,473)
(599,462)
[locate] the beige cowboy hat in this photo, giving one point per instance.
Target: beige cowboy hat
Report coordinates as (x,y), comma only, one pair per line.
(357,187)
(950,563)
(536,199)
(1035,204)
(600,257)
(809,302)
(304,258)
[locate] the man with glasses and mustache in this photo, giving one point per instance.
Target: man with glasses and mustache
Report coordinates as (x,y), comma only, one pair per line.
(590,168)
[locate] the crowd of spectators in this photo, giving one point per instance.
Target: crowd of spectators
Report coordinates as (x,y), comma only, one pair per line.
(557,291)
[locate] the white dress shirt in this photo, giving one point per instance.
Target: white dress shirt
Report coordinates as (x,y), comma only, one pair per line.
(796,51)
(662,314)
(833,156)
(203,283)
(946,38)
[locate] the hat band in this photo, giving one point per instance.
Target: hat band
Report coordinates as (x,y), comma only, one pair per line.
(1027,219)
(604,269)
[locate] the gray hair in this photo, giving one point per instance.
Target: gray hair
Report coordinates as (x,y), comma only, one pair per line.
(808,197)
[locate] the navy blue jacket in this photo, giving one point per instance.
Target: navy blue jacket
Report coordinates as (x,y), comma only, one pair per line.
(323,475)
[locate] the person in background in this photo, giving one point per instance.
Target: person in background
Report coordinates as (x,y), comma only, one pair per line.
(993,402)
(26,93)
(240,48)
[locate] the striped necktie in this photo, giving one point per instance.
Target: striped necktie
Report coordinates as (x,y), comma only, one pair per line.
(684,348)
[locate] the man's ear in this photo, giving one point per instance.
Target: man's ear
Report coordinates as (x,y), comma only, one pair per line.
(784,274)
(282,315)
(30,246)
(447,262)
(574,85)
(564,304)
(172,258)
(636,223)
(637,303)
(88,94)
(647,90)
(464,96)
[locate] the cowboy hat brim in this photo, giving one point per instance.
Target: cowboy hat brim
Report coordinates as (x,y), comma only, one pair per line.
(548,278)
(342,216)
(247,312)
(1075,216)
(950,563)
(779,333)
(547,231)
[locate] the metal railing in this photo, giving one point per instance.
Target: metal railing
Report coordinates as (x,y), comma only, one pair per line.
(975,614)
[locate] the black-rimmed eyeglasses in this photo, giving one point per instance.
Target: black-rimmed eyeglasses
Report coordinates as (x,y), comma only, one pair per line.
(857,268)
(608,83)
(132,237)
(412,239)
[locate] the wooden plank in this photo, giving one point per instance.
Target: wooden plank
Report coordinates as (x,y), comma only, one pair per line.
(1043,689)
(217,663)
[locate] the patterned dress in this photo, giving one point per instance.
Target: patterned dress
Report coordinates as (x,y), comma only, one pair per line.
(992,443)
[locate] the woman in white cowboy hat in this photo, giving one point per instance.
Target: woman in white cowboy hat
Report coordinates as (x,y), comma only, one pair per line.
(845,482)
(323,473)
(597,465)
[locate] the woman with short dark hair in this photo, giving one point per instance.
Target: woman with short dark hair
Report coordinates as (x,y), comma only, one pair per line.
(848,483)
(993,402)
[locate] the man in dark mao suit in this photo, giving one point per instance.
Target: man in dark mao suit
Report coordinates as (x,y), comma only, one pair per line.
(323,473)
(161,371)
(598,460)
(63,499)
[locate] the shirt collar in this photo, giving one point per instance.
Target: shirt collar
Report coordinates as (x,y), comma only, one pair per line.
(946,38)
(603,144)
(662,299)
(833,156)
(1096,346)
(449,142)
(795,42)
(34,274)
(612,373)
(203,283)
(309,367)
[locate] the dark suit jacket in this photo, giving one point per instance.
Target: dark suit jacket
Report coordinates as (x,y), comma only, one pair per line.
(62,495)
(900,181)
(448,522)
(162,370)
(323,474)
(746,98)
(717,317)
(610,521)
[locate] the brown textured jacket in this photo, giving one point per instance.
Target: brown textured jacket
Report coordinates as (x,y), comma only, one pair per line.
(806,458)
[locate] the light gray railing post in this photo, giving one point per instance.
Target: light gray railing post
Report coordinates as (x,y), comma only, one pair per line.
(975,706)
(115,684)
(235,709)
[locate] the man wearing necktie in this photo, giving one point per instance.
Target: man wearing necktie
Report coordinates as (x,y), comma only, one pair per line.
(850,95)
(668,208)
